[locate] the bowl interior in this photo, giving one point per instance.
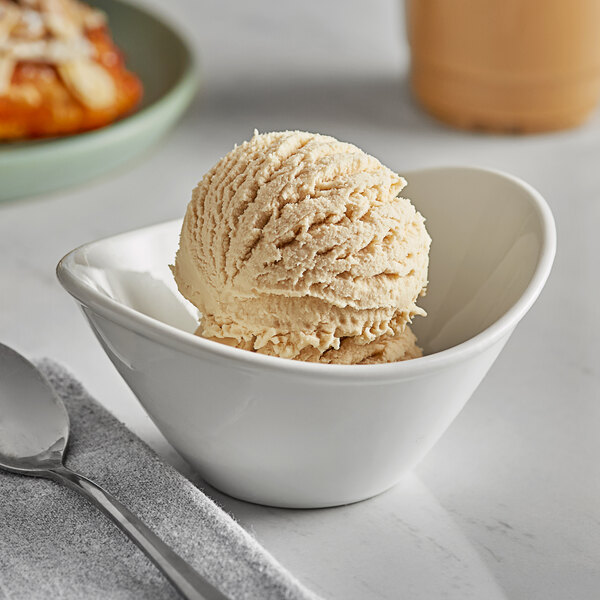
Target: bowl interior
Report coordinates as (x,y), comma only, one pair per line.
(487,233)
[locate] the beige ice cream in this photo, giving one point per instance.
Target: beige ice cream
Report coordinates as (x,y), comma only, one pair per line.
(384,349)
(297,245)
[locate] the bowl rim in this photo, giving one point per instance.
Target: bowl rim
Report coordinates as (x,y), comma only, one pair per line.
(196,346)
(182,89)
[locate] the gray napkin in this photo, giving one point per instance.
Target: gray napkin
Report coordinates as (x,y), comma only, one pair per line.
(54,544)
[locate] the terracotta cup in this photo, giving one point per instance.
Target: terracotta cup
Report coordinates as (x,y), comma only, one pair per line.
(506,65)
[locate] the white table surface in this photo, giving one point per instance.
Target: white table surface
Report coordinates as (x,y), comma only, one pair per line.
(507,505)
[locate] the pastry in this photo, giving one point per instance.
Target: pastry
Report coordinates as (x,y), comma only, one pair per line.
(60,72)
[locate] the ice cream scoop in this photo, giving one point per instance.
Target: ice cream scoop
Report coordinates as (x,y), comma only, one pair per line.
(351,352)
(295,244)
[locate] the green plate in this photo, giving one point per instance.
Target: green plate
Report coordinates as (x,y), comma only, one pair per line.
(164,63)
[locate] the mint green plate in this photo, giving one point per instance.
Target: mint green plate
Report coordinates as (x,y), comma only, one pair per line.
(164,63)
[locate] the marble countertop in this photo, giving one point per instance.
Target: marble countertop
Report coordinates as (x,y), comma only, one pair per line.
(507,505)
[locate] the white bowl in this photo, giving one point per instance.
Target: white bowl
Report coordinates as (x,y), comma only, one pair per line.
(293,434)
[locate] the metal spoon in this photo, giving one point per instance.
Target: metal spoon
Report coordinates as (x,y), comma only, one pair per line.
(34,431)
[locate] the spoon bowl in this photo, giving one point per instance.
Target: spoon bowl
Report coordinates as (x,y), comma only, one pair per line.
(34,430)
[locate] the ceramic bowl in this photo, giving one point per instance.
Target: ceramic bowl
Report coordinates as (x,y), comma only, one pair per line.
(294,434)
(164,63)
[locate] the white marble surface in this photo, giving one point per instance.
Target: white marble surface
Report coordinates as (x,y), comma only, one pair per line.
(507,505)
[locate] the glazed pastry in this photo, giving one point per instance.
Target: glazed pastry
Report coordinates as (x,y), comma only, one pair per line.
(60,72)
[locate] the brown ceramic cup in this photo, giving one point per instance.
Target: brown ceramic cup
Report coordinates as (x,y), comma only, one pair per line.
(506,65)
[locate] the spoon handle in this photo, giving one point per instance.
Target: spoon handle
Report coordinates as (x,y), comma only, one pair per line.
(186,580)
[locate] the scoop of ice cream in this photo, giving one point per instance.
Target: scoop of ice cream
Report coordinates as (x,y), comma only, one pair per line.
(382,350)
(296,241)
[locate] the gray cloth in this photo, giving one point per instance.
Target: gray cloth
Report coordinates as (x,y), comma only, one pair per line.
(54,544)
